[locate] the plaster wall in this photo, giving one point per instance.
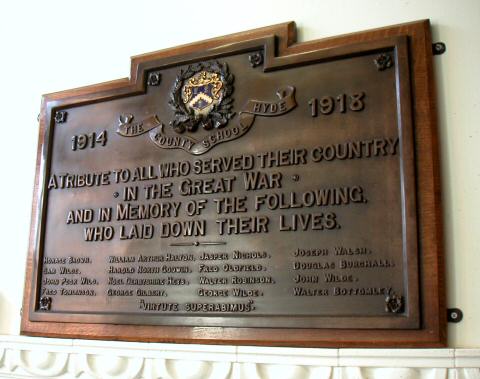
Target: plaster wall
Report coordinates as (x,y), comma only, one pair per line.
(51,45)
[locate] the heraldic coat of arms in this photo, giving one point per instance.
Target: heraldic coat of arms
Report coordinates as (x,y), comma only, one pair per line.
(201,96)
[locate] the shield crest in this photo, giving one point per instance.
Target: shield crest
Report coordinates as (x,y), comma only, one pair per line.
(202,92)
(201,96)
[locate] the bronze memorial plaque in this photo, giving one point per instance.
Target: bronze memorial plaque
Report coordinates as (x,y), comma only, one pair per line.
(245,189)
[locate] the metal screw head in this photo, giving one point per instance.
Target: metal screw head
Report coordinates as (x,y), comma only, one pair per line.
(438,48)
(454,315)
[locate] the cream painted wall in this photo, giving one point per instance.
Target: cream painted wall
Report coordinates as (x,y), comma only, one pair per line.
(47,46)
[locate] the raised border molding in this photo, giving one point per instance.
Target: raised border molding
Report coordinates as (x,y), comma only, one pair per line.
(31,357)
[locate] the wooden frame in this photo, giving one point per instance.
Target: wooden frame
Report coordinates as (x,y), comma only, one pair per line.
(432,332)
